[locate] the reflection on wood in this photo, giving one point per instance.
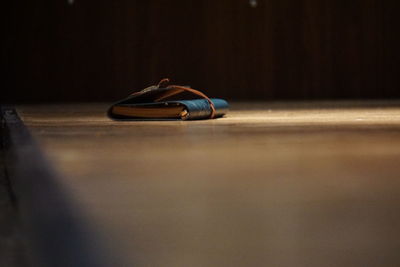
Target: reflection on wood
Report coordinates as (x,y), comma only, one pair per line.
(270,185)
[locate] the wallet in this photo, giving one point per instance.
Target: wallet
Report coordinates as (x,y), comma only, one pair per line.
(168,102)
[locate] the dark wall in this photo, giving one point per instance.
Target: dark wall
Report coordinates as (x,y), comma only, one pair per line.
(282,49)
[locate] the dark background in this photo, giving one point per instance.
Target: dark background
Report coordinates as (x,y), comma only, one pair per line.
(95,50)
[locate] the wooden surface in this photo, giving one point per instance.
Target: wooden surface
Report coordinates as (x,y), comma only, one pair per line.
(272,184)
(100,50)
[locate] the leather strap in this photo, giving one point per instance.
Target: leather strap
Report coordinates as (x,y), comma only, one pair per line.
(177,89)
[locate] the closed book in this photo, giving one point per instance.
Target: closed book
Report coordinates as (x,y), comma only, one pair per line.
(167,103)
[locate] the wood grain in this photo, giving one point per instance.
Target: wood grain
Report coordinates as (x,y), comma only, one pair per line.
(276,184)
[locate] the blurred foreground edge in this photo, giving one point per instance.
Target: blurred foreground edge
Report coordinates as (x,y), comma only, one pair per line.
(55,229)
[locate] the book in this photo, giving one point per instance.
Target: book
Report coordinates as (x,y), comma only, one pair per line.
(165,102)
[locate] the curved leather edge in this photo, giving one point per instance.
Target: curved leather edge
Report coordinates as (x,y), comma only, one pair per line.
(197,108)
(200,108)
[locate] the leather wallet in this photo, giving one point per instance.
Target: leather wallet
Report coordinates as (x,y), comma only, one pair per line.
(168,102)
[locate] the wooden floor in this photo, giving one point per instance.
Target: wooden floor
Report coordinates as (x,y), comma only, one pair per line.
(272,184)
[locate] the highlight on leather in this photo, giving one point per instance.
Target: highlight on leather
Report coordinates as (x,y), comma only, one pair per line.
(164,101)
(179,89)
